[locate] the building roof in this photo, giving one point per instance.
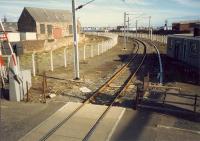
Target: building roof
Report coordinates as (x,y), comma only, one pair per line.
(9,27)
(188,22)
(49,15)
(185,36)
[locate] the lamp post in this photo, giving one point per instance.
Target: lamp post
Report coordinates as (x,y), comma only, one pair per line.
(76,51)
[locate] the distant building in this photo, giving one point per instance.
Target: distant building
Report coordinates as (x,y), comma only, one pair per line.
(9,27)
(47,23)
(187,26)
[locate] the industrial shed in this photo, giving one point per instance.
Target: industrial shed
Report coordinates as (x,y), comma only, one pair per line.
(185,49)
(47,23)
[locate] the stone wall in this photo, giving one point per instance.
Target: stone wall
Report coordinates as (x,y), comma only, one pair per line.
(51,44)
(31,46)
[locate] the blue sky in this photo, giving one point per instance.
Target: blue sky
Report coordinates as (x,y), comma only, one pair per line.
(110,12)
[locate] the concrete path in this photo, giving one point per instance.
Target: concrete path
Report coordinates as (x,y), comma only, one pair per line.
(79,125)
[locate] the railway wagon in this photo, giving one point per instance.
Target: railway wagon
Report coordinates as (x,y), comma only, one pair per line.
(185,49)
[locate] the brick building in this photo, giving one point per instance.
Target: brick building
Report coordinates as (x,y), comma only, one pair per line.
(47,23)
(187,26)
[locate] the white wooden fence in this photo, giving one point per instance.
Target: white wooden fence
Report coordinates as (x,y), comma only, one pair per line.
(152,37)
(54,60)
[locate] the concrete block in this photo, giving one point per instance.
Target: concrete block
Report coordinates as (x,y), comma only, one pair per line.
(18,90)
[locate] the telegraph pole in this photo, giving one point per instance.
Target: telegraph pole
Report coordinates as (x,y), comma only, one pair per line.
(149,27)
(124,30)
(136,26)
(128,26)
(76,52)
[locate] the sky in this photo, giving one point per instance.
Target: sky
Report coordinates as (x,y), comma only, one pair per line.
(110,12)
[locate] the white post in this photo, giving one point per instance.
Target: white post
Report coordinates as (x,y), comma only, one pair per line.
(84,57)
(91,49)
(98,49)
(51,58)
(33,63)
(65,57)
(106,45)
(76,52)
(102,47)
(151,34)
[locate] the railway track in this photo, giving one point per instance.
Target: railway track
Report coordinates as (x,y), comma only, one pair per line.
(123,77)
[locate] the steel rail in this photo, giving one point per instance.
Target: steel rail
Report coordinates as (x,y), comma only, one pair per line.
(116,74)
(119,93)
(160,61)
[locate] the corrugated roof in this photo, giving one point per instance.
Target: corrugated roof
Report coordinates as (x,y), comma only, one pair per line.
(49,15)
(9,26)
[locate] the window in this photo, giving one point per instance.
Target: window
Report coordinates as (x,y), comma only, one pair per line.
(70,29)
(42,29)
(49,29)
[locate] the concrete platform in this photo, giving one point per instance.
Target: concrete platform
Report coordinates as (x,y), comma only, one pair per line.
(79,125)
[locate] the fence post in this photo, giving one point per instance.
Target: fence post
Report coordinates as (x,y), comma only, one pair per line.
(51,59)
(84,52)
(102,47)
(91,49)
(107,45)
(33,63)
(65,57)
(98,49)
